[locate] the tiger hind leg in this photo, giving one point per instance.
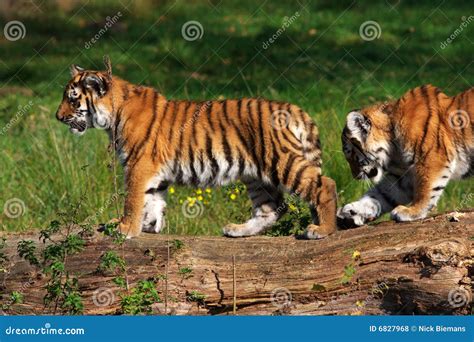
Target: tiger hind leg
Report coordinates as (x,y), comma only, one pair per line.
(267,207)
(306,181)
(428,188)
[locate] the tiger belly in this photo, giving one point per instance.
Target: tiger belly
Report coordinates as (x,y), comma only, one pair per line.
(204,173)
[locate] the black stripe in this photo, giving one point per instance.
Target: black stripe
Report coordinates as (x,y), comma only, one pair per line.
(297,181)
(155,149)
(145,139)
(262,135)
(425,95)
(211,159)
(224,110)
(288,167)
(241,163)
(438,188)
(194,177)
(226,148)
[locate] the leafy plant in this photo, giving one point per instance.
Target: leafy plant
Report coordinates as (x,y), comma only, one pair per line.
(349,271)
(195,296)
(62,238)
(110,261)
(185,272)
(140,299)
(3,256)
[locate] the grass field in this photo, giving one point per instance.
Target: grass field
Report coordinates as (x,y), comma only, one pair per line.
(318,59)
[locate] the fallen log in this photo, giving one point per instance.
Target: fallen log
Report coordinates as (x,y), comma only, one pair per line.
(424,267)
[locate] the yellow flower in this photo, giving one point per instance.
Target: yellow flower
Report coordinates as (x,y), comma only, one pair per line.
(208,190)
(292,207)
(200,198)
(171,190)
(356,255)
(233,197)
(360,304)
(198,191)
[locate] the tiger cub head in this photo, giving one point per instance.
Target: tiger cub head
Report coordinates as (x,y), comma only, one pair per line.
(87,101)
(366,140)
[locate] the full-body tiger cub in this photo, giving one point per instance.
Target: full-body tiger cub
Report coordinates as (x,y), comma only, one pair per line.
(411,148)
(270,146)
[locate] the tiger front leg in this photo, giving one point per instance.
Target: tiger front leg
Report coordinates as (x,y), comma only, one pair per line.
(386,195)
(323,205)
(429,184)
(136,183)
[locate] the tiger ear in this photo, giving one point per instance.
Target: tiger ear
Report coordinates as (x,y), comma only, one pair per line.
(108,67)
(96,83)
(75,69)
(387,107)
(358,125)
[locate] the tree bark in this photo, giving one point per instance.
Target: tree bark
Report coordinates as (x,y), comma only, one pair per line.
(413,268)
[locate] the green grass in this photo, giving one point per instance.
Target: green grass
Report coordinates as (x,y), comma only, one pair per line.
(319,62)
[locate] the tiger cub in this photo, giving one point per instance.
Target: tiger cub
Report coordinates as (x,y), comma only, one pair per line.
(410,148)
(270,146)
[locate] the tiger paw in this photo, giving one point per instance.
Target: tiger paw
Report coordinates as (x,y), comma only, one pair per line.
(351,216)
(406,214)
(236,230)
(127,230)
(315,232)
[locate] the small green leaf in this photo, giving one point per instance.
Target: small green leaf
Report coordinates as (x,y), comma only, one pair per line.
(318,288)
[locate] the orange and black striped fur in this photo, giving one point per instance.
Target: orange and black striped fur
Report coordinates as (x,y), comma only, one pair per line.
(270,146)
(411,148)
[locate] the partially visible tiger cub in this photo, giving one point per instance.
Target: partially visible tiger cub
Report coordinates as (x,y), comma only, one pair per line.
(410,148)
(270,146)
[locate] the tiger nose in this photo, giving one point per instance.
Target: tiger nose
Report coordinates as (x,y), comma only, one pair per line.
(59,116)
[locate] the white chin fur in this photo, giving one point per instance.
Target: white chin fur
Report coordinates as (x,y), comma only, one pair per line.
(77,132)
